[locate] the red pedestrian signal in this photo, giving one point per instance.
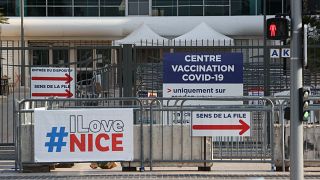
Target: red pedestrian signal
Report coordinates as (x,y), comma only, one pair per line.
(273,30)
(277,28)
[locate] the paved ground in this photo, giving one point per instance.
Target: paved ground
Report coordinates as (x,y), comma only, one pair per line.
(219,171)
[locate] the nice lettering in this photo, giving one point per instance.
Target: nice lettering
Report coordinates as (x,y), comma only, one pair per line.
(100,135)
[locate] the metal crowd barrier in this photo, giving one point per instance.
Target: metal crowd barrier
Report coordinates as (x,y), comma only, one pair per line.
(163,134)
(223,149)
(311,134)
(26,107)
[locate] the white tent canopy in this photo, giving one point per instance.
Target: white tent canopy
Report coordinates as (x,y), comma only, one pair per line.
(203,35)
(143,36)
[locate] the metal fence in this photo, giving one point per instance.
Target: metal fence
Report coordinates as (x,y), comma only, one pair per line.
(310,134)
(24,139)
(163,136)
(162,130)
(256,148)
(105,71)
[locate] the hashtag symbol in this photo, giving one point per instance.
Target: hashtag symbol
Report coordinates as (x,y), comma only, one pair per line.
(53,135)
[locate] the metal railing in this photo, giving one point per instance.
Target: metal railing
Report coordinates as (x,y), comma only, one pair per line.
(27,107)
(159,127)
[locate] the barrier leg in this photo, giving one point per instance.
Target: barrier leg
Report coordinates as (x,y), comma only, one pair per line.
(204,168)
(129,169)
(36,168)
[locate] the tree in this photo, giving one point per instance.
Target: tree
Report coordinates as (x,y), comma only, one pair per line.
(313,22)
(3,20)
(311,17)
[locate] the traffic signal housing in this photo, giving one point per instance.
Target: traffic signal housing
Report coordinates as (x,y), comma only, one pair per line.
(304,102)
(277,28)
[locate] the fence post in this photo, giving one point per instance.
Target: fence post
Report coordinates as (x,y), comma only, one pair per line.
(127,71)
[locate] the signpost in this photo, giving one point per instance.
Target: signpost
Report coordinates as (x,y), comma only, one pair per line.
(49,82)
(296,66)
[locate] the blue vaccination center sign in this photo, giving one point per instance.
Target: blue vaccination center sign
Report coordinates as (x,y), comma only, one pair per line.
(203,68)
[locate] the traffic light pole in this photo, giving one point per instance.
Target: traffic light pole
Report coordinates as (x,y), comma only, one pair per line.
(296,126)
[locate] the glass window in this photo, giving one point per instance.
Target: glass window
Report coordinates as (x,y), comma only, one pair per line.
(111,2)
(164,3)
(8,8)
(246,7)
(164,11)
(138,7)
(60,2)
(190,10)
(112,11)
(86,11)
(144,8)
(60,56)
(240,7)
(112,8)
(40,57)
(103,57)
(216,2)
(190,2)
(216,11)
(260,7)
(274,7)
(85,57)
(35,2)
(35,11)
(133,8)
(86,2)
(84,77)
(59,11)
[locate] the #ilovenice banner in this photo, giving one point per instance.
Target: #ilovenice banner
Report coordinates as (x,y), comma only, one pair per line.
(83,135)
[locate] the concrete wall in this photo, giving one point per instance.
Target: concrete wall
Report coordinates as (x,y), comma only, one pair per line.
(170,143)
(27,144)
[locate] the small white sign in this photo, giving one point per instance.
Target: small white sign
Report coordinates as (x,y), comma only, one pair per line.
(52,82)
(83,135)
(256,92)
(205,91)
(274,53)
(221,123)
(285,52)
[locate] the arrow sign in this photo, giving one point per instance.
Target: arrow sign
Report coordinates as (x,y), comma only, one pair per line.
(169,90)
(67,94)
(67,78)
(243,127)
(52,81)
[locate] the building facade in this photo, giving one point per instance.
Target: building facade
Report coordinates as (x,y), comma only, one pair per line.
(54,29)
(144,7)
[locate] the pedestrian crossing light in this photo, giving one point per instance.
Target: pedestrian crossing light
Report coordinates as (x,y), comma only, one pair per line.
(304,104)
(277,28)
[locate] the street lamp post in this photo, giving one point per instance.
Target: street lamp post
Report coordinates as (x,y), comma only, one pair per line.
(23,63)
(296,125)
